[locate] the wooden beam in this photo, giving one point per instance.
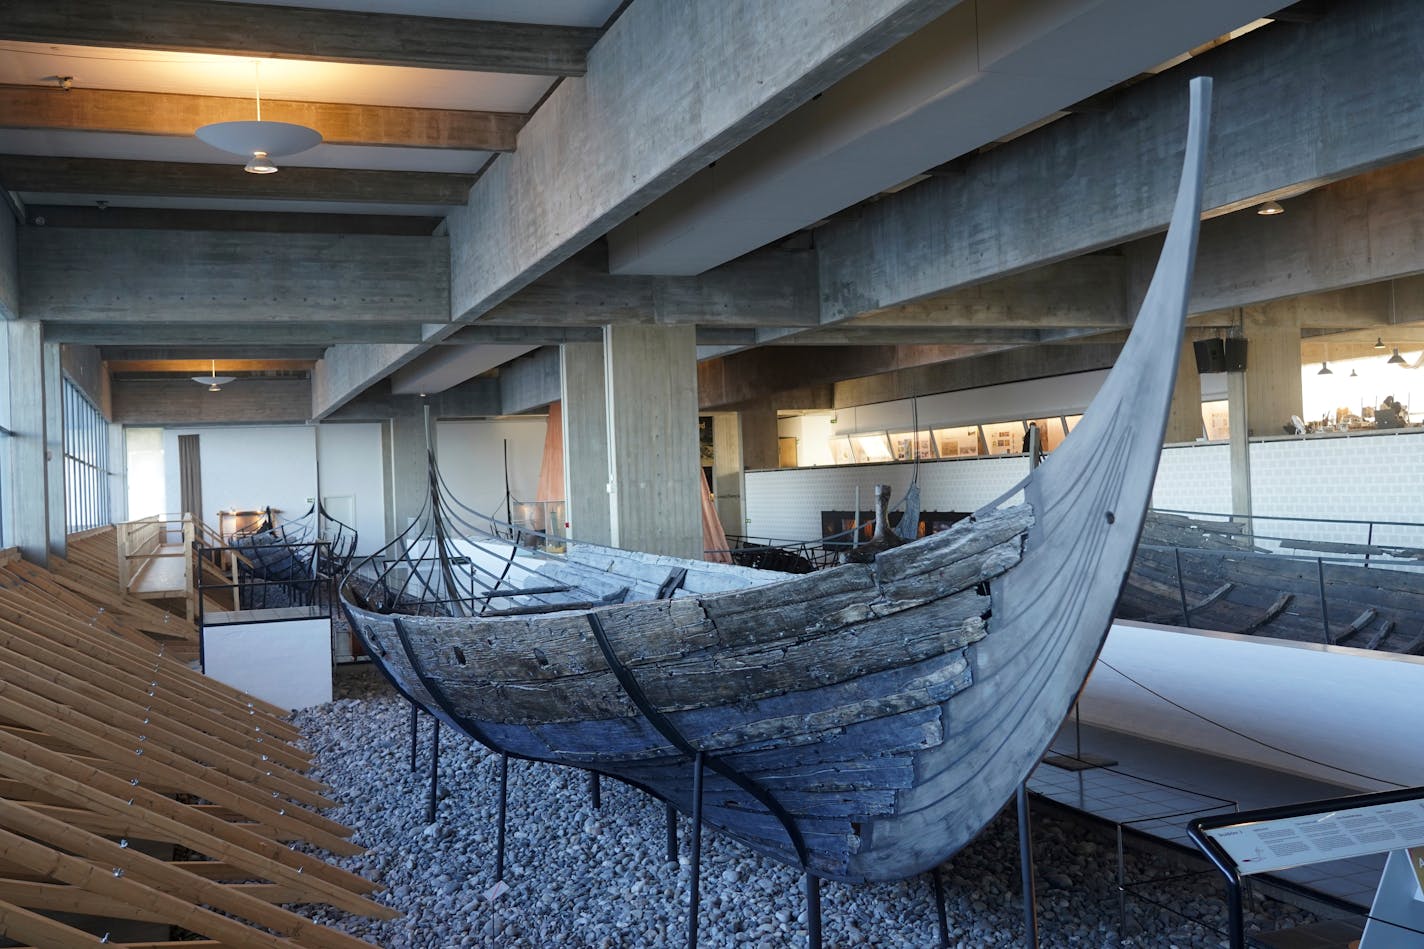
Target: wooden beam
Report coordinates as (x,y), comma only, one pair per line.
(273,337)
(152,113)
(52,175)
(192,219)
(383,39)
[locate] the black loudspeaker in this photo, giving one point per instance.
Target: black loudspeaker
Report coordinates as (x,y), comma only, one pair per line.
(1235,351)
(1220,355)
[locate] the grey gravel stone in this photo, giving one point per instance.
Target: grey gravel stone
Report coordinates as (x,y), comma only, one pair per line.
(581,878)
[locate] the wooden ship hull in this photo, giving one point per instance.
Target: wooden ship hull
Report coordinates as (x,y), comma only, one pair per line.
(1213,575)
(861,723)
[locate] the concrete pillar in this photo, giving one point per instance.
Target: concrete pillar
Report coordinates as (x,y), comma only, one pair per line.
(727,470)
(653,459)
(759,444)
(24,476)
(1238,411)
(581,388)
(1184,423)
(406,472)
(1273,391)
(54,447)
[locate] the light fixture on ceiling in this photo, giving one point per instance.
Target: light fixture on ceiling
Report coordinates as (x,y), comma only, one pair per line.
(1396,359)
(1270,207)
(213,381)
(1379,342)
(260,141)
(1354,374)
(1325,370)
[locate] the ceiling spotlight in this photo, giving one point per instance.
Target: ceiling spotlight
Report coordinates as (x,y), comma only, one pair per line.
(260,141)
(213,381)
(1379,342)
(1396,359)
(1270,207)
(1354,374)
(1325,370)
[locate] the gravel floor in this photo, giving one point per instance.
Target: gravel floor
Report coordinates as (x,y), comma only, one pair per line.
(581,877)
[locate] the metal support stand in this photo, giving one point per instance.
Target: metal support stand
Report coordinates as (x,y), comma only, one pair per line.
(671,834)
(434,771)
(1026,870)
(813,910)
(595,790)
(414,735)
(696,851)
(939,909)
(503,807)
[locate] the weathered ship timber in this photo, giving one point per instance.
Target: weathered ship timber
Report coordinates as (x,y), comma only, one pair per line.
(863,722)
(1212,574)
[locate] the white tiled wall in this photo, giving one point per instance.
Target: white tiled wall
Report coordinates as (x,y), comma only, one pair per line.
(1377,477)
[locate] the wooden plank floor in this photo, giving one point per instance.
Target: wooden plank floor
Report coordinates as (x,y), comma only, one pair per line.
(163,575)
(80,688)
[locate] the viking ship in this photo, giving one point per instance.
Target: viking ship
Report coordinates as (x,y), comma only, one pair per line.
(861,723)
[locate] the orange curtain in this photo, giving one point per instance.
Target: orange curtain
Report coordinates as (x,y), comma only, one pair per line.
(713,537)
(551,469)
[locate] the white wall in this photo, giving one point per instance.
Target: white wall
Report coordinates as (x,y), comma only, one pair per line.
(349,465)
(248,468)
(287,663)
(1358,477)
(471,455)
(144,473)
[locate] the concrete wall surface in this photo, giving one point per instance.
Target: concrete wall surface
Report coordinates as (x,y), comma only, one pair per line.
(348,460)
(247,468)
(472,454)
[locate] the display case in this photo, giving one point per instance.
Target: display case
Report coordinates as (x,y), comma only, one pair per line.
(908,446)
(872,447)
(958,442)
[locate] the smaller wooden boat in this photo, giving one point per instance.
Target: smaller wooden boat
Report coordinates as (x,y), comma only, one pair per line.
(1209,573)
(862,722)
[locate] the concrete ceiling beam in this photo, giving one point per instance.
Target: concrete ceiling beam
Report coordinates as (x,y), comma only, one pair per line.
(284,339)
(769,288)
(216,278)
(52,175)
(244,351)
(150,113)
(186,219)
(9,266)
(977,74)
(599,150)
(282,32)
(1028,203)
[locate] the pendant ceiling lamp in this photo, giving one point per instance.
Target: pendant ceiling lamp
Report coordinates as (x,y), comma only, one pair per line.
(259,141)
(1396,359)
(213,381)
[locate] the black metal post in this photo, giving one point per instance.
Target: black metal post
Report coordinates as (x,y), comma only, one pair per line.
(696,851)
(434,771)
(1182,589)
(414,735)
(1324,617)
(595,790)
(939,909)
(1026,870)
(671,834)
(503,807)
(813,910)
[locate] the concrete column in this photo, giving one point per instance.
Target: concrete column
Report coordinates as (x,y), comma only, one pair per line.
(1238,410)
(25,493)
(759,445)
(404,453)
(54,447)
(654,472)
(727,470)
(581,387)
(1273,391)
(1184,423)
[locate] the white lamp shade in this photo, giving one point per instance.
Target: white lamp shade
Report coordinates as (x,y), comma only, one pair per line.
(248,138)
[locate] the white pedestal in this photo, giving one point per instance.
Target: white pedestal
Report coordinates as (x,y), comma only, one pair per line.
(286,662)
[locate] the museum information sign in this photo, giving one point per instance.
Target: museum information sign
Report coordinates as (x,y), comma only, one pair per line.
(1267,845)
